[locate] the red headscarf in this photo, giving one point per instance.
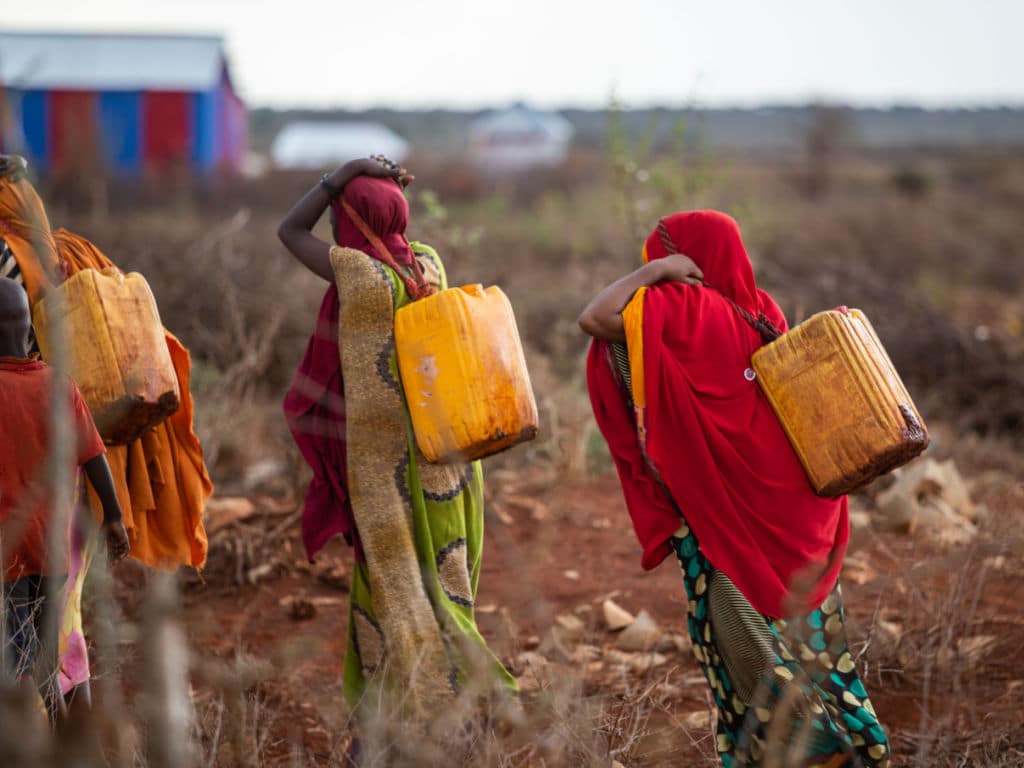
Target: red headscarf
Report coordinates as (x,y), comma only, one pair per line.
(315,403)
(712,436)
(382,206)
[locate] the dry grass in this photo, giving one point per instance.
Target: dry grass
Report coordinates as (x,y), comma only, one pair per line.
(928,245)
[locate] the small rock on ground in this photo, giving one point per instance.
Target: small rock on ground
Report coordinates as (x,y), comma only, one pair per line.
(615,616)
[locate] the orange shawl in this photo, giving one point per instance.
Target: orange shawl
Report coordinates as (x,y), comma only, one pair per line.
(162,482)
(25,227)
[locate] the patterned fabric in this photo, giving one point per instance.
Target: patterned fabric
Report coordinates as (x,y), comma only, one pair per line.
(411,623)
(9,268)
(745,640)
(8,264)
(809,706)
(621,355)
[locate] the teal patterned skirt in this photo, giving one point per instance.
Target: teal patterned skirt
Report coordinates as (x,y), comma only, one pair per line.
(784,688)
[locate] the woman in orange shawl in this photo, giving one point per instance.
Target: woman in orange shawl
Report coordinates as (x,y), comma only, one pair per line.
(161,479)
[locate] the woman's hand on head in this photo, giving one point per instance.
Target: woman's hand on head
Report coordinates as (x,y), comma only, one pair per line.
(296,229)
(602,318)
(404,177)
(377,167)
(678,268)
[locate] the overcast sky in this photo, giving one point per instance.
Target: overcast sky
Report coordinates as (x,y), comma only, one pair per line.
(428,53)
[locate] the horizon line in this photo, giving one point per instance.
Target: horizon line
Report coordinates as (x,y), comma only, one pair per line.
(1014,104)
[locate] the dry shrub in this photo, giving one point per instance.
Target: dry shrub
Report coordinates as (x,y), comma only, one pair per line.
(946,639)
(551,240)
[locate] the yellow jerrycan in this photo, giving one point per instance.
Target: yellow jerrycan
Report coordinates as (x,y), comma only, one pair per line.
(840,401)
(116,350)
(464,374)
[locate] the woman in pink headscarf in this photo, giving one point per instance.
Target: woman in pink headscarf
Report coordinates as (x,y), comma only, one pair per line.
(417,528)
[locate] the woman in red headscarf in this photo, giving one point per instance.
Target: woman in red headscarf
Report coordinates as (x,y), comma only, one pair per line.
(417,528)
(709,474)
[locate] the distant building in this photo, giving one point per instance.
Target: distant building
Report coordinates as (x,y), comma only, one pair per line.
(307,144)
(518,138)
(129,103)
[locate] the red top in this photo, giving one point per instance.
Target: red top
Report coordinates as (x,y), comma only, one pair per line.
(25,439)
(712,436)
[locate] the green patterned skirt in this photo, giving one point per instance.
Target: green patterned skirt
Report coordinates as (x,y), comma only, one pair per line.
(786,688)
(448,534)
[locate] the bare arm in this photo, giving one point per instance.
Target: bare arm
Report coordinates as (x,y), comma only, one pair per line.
(295,230)
(602,318)
(98,471)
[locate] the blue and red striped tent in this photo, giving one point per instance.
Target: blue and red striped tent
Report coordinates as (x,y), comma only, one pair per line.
(140,102)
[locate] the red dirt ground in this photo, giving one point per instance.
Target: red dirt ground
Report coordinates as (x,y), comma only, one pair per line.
(582,550)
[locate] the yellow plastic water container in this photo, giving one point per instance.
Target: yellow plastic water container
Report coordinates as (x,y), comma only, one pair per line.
(464,374)
(840,401)
(116,350)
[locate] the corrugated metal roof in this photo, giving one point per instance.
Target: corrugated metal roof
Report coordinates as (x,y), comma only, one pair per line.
(110,62)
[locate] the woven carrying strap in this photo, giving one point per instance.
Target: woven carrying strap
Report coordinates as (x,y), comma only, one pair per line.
(417,287)
(759,323)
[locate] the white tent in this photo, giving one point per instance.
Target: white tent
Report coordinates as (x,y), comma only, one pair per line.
(324,144)
(519,137)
